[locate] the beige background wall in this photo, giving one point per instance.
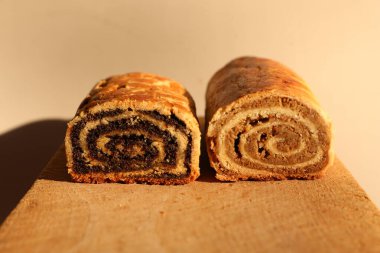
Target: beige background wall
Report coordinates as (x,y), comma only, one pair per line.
(52,52)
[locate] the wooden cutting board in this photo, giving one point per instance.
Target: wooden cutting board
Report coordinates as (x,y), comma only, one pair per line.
(332,214)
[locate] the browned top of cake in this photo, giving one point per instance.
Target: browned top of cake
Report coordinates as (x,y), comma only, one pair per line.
(139,87)
(247,75)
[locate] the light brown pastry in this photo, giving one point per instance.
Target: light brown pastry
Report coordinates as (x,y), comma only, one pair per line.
(132,128)
(264,123)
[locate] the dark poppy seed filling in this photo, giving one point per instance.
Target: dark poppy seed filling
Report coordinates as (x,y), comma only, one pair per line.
(128,150)
(127,155)
(180,125)
(113,160)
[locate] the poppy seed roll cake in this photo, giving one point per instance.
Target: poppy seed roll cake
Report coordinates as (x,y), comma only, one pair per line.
(134,128)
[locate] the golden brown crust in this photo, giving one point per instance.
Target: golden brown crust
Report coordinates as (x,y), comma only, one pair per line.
(250,75)
(140,87)
(261,101)
(138,97)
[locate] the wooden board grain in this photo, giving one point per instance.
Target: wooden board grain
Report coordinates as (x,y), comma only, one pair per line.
(332,214)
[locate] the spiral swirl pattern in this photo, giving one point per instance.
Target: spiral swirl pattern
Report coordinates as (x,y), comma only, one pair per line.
(265,123)
(121,135)
(131,142)
(260,141)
